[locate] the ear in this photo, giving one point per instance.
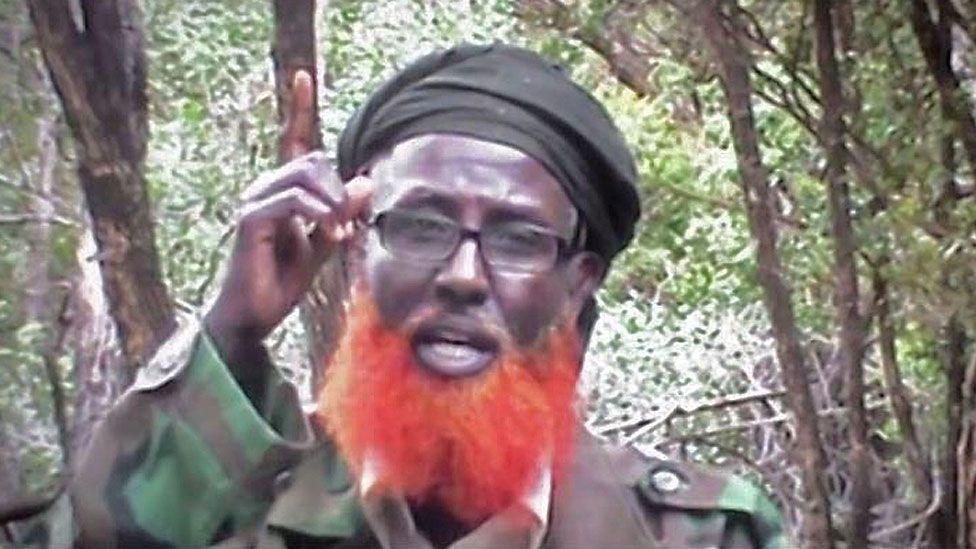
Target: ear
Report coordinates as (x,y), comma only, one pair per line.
(584,274)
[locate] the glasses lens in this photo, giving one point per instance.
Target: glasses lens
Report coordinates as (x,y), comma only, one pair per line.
(519,247)
(418,236)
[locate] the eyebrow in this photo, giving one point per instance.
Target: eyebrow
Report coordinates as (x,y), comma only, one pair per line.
(425,197)
(421,197)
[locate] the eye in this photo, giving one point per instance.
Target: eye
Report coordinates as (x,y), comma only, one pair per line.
(520,240)
(423,228)
(417,234)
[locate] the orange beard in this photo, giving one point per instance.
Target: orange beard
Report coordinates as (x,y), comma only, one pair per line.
(472,445)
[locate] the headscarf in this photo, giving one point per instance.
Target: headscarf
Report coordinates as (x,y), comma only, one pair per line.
(512,96)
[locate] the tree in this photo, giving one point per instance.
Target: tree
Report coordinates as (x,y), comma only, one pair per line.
(99,73)
(735,69)
(846,293)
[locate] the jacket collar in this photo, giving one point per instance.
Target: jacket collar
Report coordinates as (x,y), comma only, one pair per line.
(536,499)
(324,500)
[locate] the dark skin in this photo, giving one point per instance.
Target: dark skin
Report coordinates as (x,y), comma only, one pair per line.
(474,183)
(479,309)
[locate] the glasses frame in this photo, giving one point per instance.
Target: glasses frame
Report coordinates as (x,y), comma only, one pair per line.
(564,247)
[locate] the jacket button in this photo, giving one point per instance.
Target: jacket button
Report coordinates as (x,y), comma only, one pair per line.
(665,481)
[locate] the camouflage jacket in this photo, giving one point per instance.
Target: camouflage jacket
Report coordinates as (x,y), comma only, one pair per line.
(186,459)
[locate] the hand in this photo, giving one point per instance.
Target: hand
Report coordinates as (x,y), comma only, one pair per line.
(292,219)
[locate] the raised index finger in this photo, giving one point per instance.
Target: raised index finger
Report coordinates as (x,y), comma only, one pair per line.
(297,136)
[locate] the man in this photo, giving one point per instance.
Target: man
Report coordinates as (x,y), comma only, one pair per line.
(485,195)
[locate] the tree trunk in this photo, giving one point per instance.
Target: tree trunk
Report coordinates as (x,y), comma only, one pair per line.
(935,40)
(846,294)
(612,39)
(919,467)
(37,301)
(966,456)
(954,349)
(953,337)
(94,344)
(78,317)
(294,49)
(45,304)
(99,73)
(735,66)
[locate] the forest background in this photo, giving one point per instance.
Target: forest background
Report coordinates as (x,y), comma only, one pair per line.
(797,305)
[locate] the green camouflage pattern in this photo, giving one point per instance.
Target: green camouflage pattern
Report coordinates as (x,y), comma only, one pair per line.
(187,459)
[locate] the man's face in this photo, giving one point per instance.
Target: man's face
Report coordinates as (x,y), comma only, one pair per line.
(465,279)
(461,311)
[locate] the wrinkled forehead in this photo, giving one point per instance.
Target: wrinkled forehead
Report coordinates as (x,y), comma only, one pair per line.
(458,166)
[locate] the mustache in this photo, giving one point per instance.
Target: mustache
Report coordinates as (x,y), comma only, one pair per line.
(494,328)
(436,315)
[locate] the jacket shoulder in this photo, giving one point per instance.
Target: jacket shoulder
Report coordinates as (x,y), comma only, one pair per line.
(688,486)
(684,488)
(621,497)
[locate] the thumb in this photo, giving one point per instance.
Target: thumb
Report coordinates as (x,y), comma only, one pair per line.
(297,136)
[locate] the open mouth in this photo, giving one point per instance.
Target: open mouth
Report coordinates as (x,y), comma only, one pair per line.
(453,351)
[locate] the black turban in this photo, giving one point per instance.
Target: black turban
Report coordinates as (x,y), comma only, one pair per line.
(511,96)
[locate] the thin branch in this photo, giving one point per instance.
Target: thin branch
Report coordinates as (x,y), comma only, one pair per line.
(779,418)
(9,54)
(23,219)
(734,400)
(54,200)
(51,370)
(648,427)
(15,151)
(876,537)
(714,201)
(213,266)
(682,410)
(790,105)
(799,76)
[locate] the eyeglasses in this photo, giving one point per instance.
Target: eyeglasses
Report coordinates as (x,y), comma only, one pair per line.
(512,246)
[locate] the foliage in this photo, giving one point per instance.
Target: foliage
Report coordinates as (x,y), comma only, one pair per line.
(212,129)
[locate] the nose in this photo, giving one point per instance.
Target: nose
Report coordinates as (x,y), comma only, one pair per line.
(463,280)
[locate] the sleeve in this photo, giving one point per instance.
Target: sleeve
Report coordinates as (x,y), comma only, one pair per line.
(185,458)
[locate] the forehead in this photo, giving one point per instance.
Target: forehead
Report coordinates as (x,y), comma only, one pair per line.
(468,170)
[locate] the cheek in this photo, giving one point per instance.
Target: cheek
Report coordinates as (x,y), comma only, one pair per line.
(531,304)
(397,288)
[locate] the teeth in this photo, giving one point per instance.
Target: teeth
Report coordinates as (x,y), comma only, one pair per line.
(451,349)
(452,358)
